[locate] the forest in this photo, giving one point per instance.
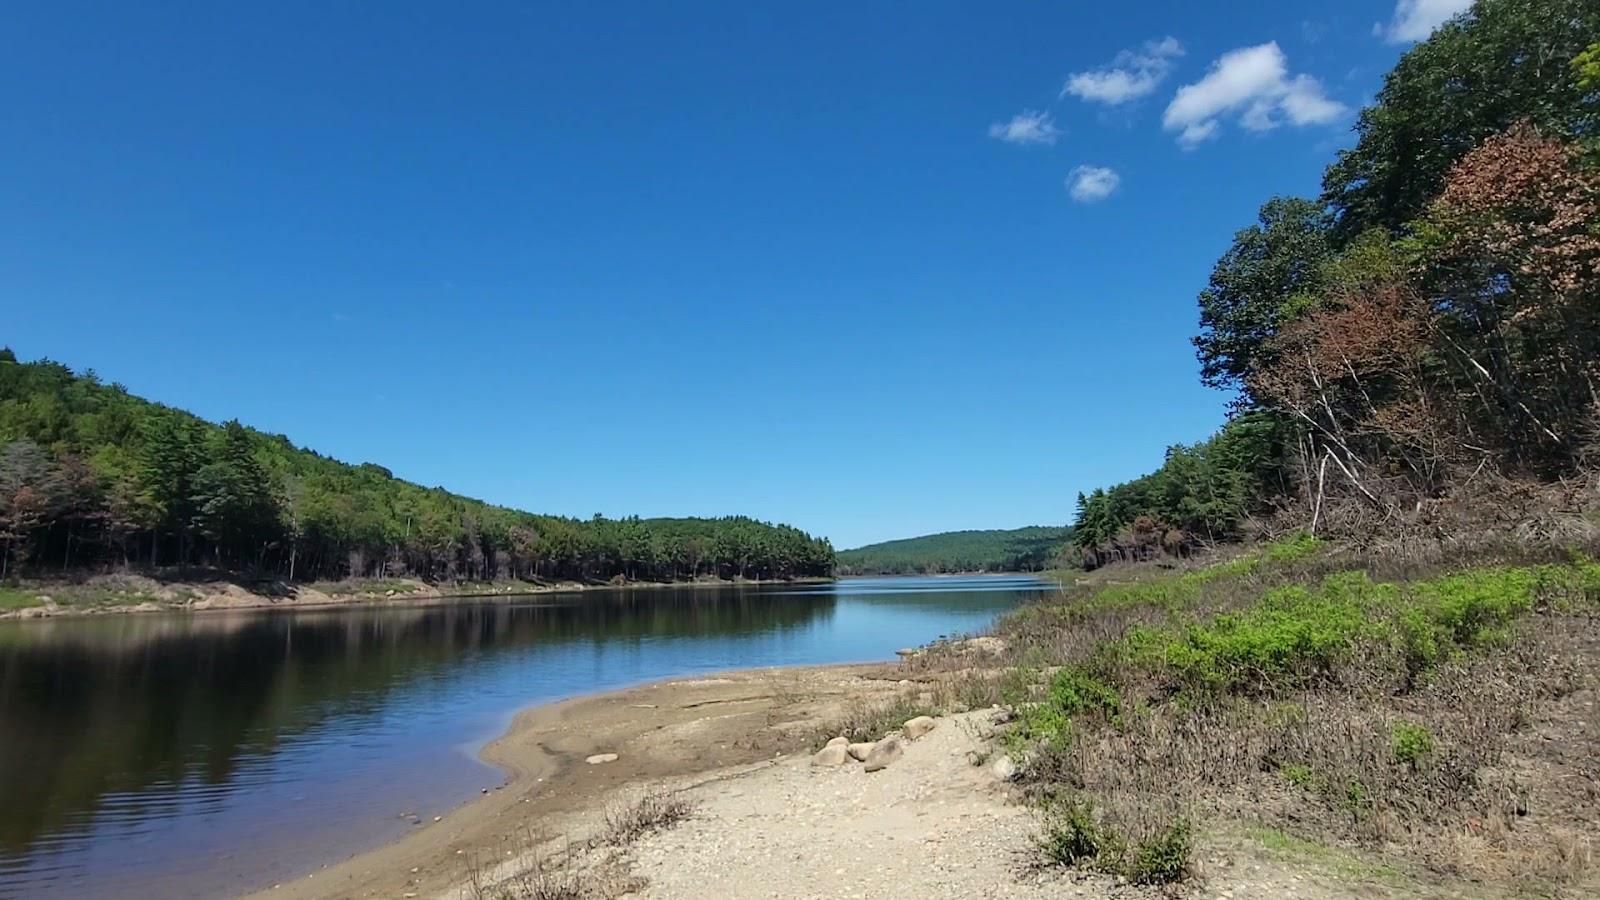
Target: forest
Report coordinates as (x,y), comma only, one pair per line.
(1422,339)
(93,478)
(1015,550)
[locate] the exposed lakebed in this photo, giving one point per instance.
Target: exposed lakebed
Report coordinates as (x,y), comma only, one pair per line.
(204,754)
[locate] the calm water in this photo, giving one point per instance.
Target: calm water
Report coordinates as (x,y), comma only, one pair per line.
(205,754)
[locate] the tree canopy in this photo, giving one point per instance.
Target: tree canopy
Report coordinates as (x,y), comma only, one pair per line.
(91,475)
(1435,314)
(1506,61)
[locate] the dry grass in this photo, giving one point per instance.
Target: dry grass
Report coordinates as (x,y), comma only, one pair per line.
(542,878)
(866,721)
(652,812)
(1444,724)
(586,870)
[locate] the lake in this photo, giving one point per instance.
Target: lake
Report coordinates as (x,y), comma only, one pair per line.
(205,754)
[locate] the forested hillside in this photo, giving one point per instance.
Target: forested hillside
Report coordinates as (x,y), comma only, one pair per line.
(92,477)
(1015,550)
(1422,341)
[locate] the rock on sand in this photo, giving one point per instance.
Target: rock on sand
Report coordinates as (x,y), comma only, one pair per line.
(831,755)
(883,753)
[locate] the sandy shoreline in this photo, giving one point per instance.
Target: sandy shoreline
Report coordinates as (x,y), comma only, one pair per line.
(764,820)
(226,596)
(662,731)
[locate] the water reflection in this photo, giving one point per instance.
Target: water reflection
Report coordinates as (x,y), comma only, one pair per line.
(195,754)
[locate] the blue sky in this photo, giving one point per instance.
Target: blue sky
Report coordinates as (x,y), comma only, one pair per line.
(875,269)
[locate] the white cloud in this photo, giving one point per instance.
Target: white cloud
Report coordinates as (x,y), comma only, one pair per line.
(1254,84)
(1414,20)
(1027,127)
(1090,184)
(1133,74)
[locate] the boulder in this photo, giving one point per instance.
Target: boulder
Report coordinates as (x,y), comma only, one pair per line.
(906,651)
(599,758)
(883,753)
(833,755)
(859,752)
(1003,768)
(915,728)
(839,742)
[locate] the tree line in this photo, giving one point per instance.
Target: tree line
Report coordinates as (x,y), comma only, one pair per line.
(1432,318)
(1009,550)
(92,477)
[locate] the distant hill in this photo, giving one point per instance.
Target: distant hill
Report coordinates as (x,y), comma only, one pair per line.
(996,550)
(95,478)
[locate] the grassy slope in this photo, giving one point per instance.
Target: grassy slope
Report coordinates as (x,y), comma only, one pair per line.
(1428,721)
(960,551)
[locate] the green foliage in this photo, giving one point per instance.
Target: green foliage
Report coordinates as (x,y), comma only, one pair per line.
(1261,282)
(1298,774)
(1015,550)
(1181,591)
(1365,326)
(1473,608)
(1164,858)
(1411,742)
(1509,61)
(1073,837)
(1075,693)
(1072,693)
(1204,490)
(10,598)
(1249,649)
(1586,66)
(1356,797)
(1292,547)
(93,476)
(1294,636)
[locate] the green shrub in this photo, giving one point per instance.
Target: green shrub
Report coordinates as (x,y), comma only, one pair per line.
(1473,608)
(1162,859)
(1419,642)
(1292,547)
(1075,692)
(1587,578)
(1072,693)
(1356,797)
(1411,742)
(1297,774)
(1292,636)
(1071,836)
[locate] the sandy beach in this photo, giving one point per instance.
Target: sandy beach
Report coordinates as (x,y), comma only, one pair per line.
(763,819)
(669,732)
